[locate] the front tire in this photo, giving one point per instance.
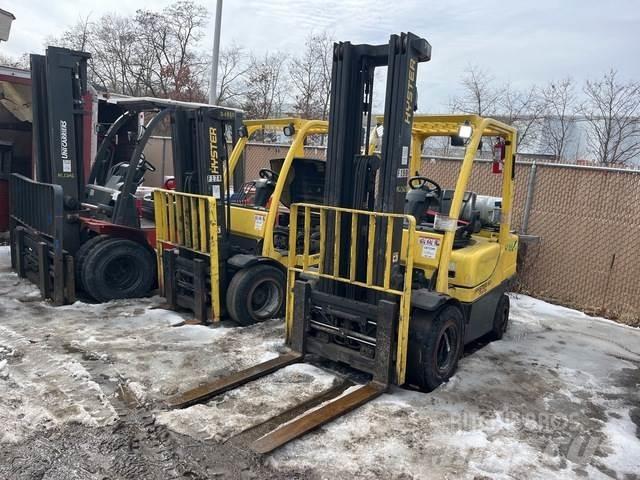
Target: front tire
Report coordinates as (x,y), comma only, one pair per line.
(435,348)
(81,256)
(256,294)
(118,268)
(501,318)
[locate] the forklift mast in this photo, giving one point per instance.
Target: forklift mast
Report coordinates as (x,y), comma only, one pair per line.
(352,176)
(59,85)
(201,154)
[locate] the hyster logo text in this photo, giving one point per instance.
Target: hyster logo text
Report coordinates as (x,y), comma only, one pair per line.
(213,156)
(411,87)
(64,149)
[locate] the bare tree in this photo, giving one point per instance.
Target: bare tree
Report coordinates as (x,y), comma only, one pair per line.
(172,37)
(232,67)
(559,111)
(612,111)
(305,79)
(265,88)
(113,46)
(15,62)
(323,49)
(152,53)
(75,37)
(310,75)
(523,110)
(479,94)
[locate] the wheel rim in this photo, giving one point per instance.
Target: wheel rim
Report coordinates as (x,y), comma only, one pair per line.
(264,299)
(121,272)
(446,349)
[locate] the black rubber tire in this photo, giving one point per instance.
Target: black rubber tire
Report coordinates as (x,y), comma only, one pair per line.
(439,345)
(244,300)
(81,256)
(501,318)
(118,268)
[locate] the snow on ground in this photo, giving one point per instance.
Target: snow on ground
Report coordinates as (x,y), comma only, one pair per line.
(558,397)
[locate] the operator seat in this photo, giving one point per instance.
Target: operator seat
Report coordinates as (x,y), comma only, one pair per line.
(424,204)
(264,189)
(103,196)
(117,174)
(265,186)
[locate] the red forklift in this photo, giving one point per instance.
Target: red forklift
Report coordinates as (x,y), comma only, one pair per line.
(79,224)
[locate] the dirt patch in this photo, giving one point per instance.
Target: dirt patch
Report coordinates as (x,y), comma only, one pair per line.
(135,447)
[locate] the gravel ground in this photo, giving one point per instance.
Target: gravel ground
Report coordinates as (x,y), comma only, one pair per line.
(82,391)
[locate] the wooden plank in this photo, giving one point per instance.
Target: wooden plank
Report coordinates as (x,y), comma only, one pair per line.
(221,385)
(316,418)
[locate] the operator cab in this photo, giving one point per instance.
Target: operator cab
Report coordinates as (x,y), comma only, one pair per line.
(430,205)
(304,183)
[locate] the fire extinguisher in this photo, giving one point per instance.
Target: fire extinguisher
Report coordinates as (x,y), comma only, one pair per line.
(499,149)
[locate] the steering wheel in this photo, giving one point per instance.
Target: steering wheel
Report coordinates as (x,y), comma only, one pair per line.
(417,183)
(145,165)
(268,174)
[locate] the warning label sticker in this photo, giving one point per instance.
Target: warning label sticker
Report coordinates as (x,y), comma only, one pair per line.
(429,247)
(258,222)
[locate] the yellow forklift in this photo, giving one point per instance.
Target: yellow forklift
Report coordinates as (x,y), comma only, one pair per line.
(241,269)
(407,272)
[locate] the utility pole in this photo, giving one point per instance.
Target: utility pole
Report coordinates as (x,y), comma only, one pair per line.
(213,96)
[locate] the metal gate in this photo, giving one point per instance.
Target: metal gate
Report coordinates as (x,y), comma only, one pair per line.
(37,238)
(304,260)
(188,223)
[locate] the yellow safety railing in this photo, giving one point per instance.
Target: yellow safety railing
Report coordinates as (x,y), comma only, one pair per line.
(321,218)
(188,221)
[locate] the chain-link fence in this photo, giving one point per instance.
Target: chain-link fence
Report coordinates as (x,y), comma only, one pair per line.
(586,225)
(585,222)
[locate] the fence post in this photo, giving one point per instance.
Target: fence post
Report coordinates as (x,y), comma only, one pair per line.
(529,200)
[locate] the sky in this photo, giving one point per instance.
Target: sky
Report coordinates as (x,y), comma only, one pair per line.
(520,42)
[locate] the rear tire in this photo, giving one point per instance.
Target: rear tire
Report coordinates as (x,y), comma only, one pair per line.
(501,318)
(118,268)
(256,294)
(81,256)
(435,349)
